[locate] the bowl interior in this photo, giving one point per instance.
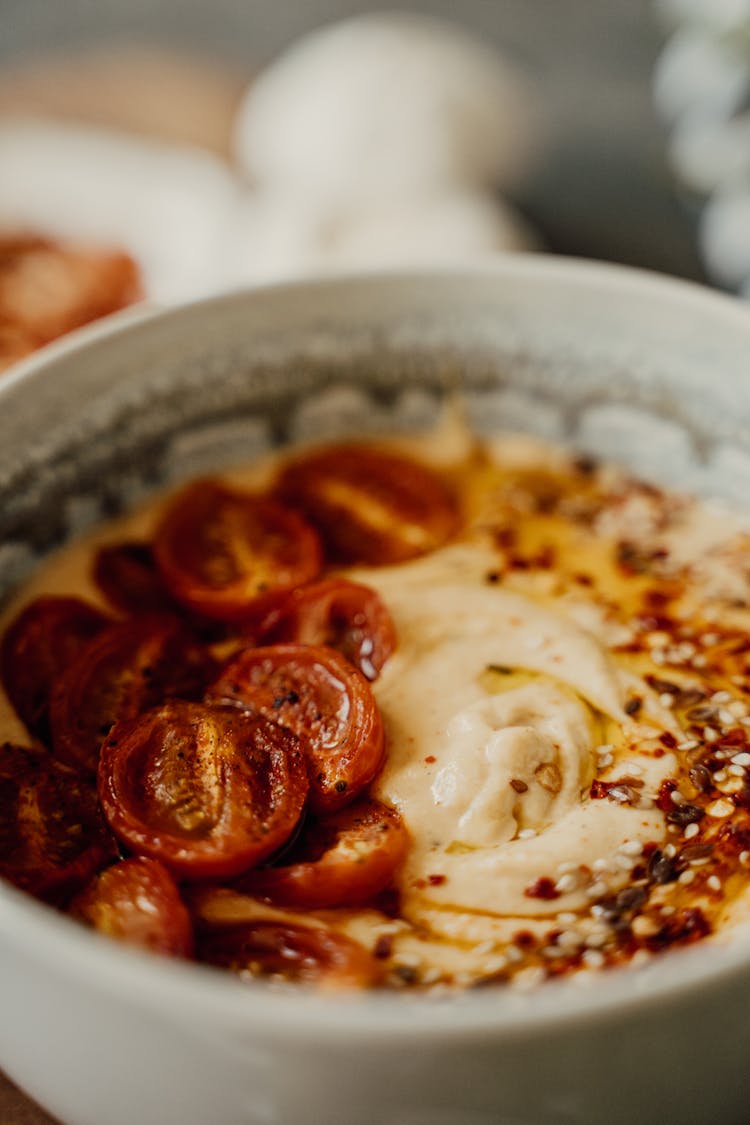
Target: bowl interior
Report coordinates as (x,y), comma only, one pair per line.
(641,370)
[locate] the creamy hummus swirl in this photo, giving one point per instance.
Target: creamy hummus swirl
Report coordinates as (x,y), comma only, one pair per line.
(494,786)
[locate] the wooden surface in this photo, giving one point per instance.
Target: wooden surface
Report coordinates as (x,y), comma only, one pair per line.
(17,1109)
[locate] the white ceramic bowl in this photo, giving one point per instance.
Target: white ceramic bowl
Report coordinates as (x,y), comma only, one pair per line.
(649,371)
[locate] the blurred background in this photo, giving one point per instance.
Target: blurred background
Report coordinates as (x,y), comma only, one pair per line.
(575,126)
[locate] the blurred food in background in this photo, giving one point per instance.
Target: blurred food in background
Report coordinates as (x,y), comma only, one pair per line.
(384,140)
(702,92)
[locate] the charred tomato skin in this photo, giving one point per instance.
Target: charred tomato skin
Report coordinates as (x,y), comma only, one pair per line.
(206,790)
(137,901)
(370,505)
(318,694)
(225,554)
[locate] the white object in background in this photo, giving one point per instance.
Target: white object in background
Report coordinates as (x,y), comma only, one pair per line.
(707,152)
(698,73)
(716,15)
(431,231)
(385,106)
(725,235)
(166,205)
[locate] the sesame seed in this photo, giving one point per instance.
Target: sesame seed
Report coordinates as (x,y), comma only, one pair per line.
(600,864)
(666,699)
(483,948)
(691,830)
(736,771)
(742,759)
(699,661)
(528,978)
(527,833)
(513,953)
(567,883)
(643,926)
(709,638)
(720,808)
(746,721)
(714,883)
(676,797)
(721,697)
(726,718)
(691,744)
(720,775)
(670,851)
(633,768)
(738,709)
(686,878)
(594,958)
(567,918)
(640,957)
(744,857)
(624,862)
(710,735)
(596,889)
(631,847)
(564,868)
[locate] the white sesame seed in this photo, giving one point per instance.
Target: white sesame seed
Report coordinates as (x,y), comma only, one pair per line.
(526,833)
(714,883)
(569,939)
(686,877)
(600,864)
(699,661)
(565,867)
(742,759)
(596,889)
(720,808)
(736,771)
(709,638)
(631,847)
(690,831)
(722,755)
(594,958)
(432,976)
(666,699)
(691,744)
(496,964)
(567,883)
(659,656)
(738,708)
(633,768)
(644,927)
(744,857)
(709,734)
(567,918)
(483,948)
(596,939)
(746,721)
(604,760)
(721,697)
(667,910)
(657,638)
(670,851)
(676,797)
(513,953)
(719,776)
(640,957)
(726,718)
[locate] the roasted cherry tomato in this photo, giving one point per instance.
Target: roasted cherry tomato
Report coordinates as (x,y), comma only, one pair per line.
(38,646)
(224,553)
(127,576)
(137,901)
(342,860)
(370,506)
(315,692)
(310,954)
(53,838)
(126,669)
(209,791)
(340,614)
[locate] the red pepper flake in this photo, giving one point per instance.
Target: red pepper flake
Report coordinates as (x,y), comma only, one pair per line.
(664,796)
(436,880)
(505,537)
(383,947)
(583,579)
(493,577)
(545,558)
(542,888)
(623,790)
(633,706)
(524,939)
(519,785)
(668,739)
(599,789)
(684,927)
(430,759)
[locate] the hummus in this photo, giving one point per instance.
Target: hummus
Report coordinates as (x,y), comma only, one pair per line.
(567,723)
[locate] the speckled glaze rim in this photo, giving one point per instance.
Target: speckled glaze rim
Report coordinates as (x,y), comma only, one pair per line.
(503,1013)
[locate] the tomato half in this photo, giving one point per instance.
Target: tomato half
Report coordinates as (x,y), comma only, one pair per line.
(343,615)
(370,506)
(53,838)
(223,553)
(316,693)
(126,669)
(309,954)
(40,644)
(209,791)
(127,576)
(343,860)
(137,901)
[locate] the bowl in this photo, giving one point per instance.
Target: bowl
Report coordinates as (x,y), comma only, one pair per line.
(648,371)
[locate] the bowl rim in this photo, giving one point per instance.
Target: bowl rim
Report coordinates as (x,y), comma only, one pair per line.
(295,1012)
